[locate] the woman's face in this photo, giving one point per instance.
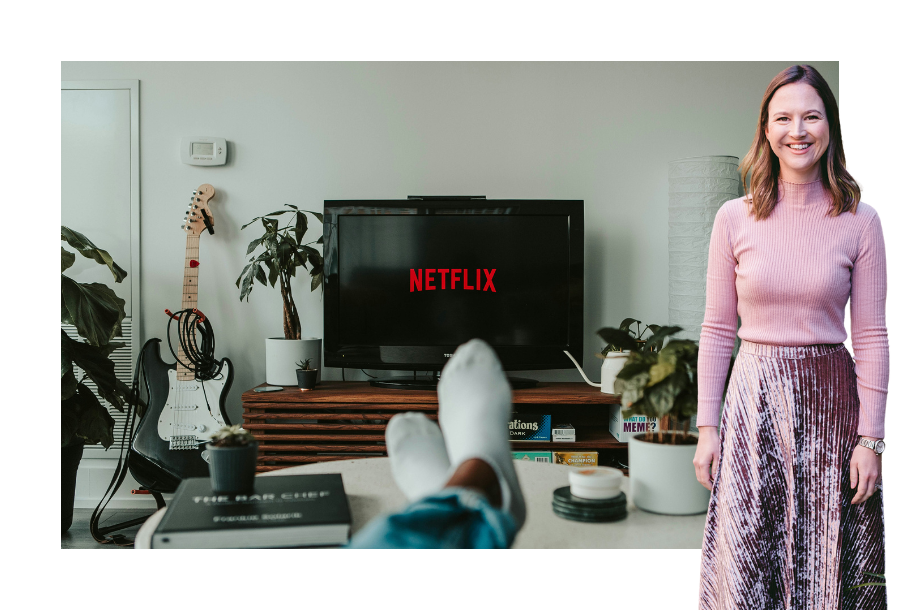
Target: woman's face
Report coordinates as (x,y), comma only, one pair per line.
(797,131)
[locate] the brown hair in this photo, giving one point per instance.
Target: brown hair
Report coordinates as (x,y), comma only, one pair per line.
(764,164)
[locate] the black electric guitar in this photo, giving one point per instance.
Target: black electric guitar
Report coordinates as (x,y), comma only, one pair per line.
(182,411)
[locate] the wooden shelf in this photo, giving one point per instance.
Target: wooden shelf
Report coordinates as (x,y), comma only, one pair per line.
(587,439)
(346,420)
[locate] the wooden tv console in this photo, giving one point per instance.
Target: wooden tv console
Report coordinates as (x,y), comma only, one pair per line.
(342,420)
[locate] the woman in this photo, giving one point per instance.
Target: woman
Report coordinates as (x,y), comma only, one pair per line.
(795,517)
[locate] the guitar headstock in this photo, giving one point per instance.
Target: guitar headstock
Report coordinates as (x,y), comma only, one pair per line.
(198,216)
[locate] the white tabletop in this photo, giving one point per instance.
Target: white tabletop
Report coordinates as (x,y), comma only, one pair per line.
(371,491)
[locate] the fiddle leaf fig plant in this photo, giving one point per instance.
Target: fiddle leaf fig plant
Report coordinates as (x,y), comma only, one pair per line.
(283,251)
(96,313)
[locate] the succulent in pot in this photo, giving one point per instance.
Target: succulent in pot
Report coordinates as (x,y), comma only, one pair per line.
(306,376)
(232,460)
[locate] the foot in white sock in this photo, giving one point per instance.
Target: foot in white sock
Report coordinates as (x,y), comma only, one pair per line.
(475,403)
(419,460)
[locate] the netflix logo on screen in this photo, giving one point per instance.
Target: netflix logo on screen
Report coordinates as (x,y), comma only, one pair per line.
(451,279)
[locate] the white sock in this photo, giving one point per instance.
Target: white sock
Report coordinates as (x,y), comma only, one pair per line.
(475,403)
(419,460)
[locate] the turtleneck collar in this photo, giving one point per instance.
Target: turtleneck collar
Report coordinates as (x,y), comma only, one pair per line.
(803,194)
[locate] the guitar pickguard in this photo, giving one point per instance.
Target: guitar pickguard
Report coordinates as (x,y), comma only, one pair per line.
(191,414)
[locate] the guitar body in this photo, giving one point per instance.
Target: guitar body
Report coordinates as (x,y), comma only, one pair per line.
(181,416)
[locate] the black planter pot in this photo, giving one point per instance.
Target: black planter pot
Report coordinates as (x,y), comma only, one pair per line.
(71,458)
(232,469)
(306,379)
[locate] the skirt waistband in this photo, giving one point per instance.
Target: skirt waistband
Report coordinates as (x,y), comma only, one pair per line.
(790,351)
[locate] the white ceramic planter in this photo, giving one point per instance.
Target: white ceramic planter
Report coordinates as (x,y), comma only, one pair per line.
(662,478)
(611,366)
(282,356)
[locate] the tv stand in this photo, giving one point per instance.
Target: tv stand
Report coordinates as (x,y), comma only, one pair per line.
(345,420)
(430,383)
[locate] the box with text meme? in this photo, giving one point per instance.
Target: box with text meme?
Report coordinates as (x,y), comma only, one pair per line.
(527,427)
(622,429)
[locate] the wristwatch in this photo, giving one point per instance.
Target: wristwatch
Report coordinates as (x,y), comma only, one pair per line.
(876,446)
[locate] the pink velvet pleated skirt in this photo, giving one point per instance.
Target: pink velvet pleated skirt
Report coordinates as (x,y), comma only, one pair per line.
(781,532)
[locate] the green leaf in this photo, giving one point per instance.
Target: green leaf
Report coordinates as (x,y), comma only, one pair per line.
(250,223)
(260,274)
(660,334)
(246,286)
(627,322)
(68,258)
(66,316)
(238,282)
(315,281)
(68,380)
(278,213)
(273,272)
(618,338)
(659,371)
(293,207)
(321,239)
(95,424)
(302,226)
(317,215)
(96,364)
(659,399)
(253,245)
(94,309)
(89,250)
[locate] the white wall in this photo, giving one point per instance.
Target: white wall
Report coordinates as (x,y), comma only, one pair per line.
(304,132)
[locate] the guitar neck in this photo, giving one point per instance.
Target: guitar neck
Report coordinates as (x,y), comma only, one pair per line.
(189,294)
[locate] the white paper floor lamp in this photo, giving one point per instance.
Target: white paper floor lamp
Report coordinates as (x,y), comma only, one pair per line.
(698,186)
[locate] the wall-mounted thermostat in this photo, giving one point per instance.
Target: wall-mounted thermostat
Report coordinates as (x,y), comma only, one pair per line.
(198,150)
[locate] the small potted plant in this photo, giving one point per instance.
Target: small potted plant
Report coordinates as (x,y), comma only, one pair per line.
(284,251)
(661,382)
(616,353)
(306,376)
(232,460)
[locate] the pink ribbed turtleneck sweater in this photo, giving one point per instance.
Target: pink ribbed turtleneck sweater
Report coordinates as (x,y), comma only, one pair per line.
(788,277)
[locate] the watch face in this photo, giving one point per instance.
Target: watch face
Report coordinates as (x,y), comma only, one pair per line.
(879,446)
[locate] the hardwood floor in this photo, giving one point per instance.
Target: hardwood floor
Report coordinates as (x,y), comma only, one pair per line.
(79,535)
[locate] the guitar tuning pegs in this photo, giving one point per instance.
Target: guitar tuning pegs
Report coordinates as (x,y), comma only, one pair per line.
(195,192)
(182,226)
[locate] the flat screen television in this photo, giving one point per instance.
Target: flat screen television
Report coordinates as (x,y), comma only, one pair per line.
(407,281)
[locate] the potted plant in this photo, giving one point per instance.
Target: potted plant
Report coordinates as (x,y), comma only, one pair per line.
(306,376)
(232,460)
(284,251)
(615,353)
(661,382)
(96,313)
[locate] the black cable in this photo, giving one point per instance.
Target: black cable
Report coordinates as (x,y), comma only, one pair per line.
(200,359)
(369,376)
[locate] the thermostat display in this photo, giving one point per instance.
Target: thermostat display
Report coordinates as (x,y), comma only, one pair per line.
(199,150)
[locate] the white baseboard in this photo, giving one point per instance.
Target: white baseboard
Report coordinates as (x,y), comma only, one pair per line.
(95,472)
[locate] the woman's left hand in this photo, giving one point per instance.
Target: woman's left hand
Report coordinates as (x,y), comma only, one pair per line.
(865,472)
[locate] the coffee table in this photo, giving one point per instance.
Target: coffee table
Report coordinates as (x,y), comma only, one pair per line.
(371,491)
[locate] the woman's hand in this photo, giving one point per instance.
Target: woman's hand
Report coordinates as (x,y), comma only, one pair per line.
(707,455)
(865,472)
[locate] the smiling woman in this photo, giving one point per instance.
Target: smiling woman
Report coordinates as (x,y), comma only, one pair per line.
(796,516)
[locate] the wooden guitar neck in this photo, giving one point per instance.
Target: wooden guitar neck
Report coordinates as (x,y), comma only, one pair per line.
(189,294)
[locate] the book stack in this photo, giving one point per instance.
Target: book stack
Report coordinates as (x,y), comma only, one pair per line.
(282,511)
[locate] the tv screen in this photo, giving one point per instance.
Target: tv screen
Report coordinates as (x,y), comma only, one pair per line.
(408,281)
